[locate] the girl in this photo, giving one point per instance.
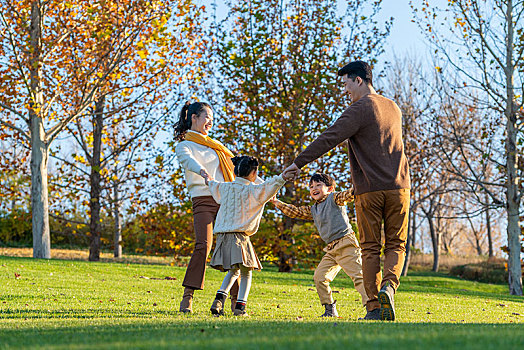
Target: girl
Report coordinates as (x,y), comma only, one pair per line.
(200,155)
(241,205)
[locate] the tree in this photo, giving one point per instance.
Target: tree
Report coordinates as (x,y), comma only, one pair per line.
(59,59)
(488,37)
(277,62)
(160,49)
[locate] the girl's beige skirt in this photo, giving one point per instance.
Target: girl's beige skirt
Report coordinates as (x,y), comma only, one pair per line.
(232,250)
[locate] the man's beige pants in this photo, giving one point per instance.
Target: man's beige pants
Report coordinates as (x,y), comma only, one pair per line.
(373,208)
(345,254)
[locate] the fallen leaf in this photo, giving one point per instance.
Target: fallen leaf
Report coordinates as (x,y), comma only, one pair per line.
(17,275)
(300,318)
(335,291)
(149,292)
(154,304)
(278,306)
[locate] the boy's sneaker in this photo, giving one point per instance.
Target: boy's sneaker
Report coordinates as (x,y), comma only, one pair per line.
(373,315)
(330,310)
(387,303)
(217,308)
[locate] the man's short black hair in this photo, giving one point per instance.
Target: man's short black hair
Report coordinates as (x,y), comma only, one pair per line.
(324,178)
(357,69)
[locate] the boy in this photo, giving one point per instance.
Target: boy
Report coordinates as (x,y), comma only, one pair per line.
(332,222)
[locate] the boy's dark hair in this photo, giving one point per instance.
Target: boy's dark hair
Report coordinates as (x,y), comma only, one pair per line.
(244,165)
(358,69)
(324,178)
(184,120)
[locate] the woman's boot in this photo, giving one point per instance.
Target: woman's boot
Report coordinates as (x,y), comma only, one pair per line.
(186,305)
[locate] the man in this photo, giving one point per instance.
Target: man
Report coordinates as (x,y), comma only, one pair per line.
(372,125)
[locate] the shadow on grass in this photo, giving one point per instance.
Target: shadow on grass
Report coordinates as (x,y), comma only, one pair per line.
(254,334)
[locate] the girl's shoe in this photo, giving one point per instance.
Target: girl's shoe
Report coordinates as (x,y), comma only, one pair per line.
(238,312)
(240,309)
(217,308)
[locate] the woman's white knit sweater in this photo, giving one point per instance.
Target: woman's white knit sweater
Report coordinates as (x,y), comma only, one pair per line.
(194,157)
(242,203)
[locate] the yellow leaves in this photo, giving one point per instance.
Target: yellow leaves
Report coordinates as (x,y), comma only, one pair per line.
(142,54)
(79,158)
(127,92)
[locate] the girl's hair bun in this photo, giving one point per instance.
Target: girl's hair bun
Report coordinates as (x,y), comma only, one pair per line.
(244,165)
(236,160)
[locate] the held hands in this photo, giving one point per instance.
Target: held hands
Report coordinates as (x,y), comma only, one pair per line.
(291,172)
(206,176)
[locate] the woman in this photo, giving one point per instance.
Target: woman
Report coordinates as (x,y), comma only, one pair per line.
(201,156)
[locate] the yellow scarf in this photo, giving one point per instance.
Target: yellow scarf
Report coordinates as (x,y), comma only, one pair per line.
(224,155)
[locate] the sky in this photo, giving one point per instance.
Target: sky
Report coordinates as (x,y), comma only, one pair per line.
(405,37)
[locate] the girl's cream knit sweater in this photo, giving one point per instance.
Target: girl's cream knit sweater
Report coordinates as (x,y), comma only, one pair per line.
(242,203)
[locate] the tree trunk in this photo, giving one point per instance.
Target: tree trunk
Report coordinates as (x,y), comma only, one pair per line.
(478,243)
(488,229)
(285,262)
(39,194)
(411,232)
(512,193)
(118,226)
(414,231)
(39,147)
(435,243)
(96,188)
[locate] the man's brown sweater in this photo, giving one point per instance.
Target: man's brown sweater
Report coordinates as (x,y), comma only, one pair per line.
(373,128)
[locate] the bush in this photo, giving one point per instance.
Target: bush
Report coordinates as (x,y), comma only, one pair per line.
(490,272)
(15,227)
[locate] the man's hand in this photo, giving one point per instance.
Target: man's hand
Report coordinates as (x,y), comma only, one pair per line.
(273,199)
(291,172)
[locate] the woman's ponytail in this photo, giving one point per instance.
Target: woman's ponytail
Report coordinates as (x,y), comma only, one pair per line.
(184,120)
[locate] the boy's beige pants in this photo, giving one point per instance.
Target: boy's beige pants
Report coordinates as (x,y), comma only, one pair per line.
(344,254)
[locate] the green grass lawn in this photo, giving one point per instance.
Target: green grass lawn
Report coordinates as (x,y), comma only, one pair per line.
(62,304)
